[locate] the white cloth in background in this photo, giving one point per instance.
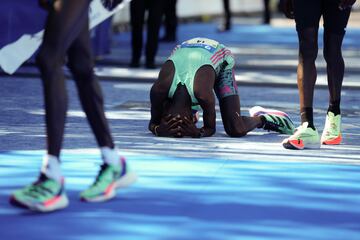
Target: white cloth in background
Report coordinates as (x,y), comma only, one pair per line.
(13,55)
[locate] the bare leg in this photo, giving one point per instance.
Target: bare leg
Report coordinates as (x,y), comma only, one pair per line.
(307,74)
(335,22)
(236,125)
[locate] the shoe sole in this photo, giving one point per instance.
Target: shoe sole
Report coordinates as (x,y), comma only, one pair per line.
(110,193)
(334,141)
(289,145)
(58,204)
(102,198)
(126,180)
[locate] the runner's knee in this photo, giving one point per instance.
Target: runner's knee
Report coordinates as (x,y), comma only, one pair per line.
(81,70)
(332,47)
(45,61)
(49,65)
(308,45)
(234,130)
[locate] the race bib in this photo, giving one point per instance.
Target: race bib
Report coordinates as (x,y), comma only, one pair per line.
(205,43)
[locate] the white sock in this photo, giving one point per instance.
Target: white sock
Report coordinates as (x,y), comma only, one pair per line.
(51,167)
(110,156)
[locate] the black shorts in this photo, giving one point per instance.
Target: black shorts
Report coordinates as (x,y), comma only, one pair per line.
(308,13)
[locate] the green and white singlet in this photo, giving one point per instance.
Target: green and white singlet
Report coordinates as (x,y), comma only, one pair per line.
(191,55)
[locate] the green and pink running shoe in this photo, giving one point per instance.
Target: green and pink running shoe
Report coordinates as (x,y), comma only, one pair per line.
(275,120)
(44,195)
(110,178)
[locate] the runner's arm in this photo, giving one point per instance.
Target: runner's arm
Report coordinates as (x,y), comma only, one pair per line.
(157,99)
(160,125)
(209,116)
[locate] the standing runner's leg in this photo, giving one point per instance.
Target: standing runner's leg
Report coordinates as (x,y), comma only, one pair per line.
(307,17)
(62,27)
(115,172)
(81,65)
(306,72)
(335,22)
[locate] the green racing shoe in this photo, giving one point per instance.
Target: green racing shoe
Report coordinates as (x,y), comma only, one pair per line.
(332,130)
(304,137)
(44,195)
(275,120)
(110,178)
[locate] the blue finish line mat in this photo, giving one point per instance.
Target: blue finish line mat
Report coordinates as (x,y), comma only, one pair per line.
(190,198)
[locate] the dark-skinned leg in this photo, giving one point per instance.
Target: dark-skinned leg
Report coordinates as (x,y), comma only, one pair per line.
(236,125)
(307,17)
(306,136)
(335,22)
(335,68)
(335,73)
(227,93)
(306,72)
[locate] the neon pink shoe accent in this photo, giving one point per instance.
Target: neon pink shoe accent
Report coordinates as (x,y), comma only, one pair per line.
(52,201)
(109,189)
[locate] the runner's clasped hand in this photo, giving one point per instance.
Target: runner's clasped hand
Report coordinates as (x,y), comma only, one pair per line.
(169,127)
